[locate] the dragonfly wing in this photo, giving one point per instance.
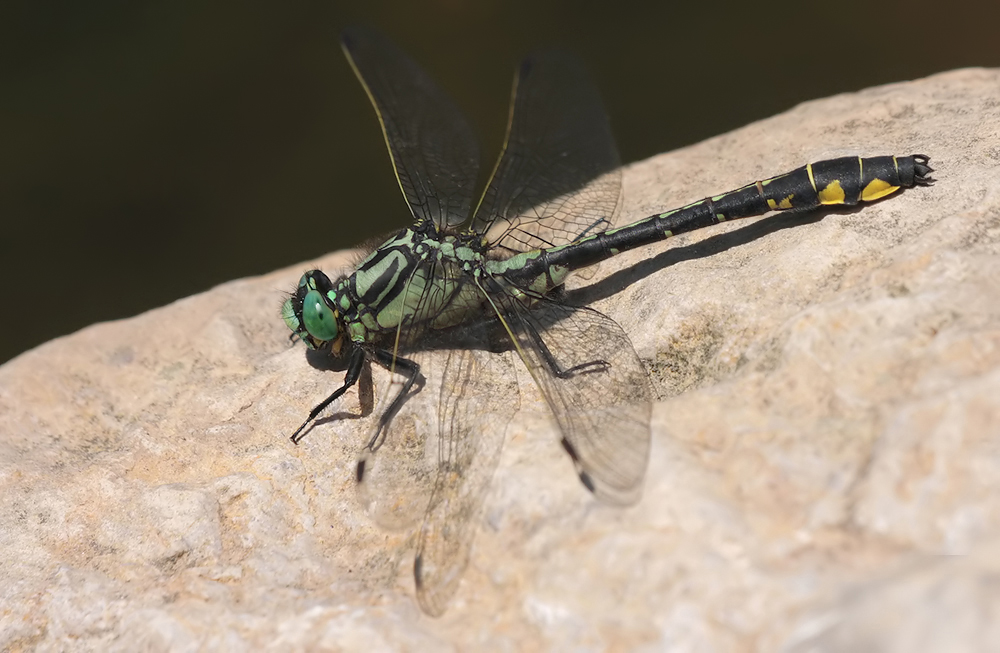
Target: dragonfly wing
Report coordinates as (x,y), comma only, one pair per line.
(435,458)
(434,151)
(396,469)
(557,178)
(479,395)
(596,386)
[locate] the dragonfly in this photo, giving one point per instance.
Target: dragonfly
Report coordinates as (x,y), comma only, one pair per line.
(446,303)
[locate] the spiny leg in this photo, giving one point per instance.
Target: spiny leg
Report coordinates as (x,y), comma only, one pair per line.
(550,360)
(353,372)
(603,417)
(408,368)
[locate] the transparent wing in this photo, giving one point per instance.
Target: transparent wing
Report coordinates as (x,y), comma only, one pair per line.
(595,385)
(479,396)
(557,178)
(435,457)
(434,152)
(397,468)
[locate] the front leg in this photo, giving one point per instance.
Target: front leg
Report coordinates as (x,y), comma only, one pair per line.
(354,367)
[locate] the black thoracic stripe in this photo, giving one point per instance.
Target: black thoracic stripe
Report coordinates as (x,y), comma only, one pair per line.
(381,283)
(833,181)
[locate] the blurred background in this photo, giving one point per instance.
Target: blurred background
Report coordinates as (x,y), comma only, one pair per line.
(152,149)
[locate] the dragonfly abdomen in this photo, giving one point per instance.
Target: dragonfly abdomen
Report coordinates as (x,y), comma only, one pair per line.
(845,181)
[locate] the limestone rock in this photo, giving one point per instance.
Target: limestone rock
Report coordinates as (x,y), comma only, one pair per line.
(826,430)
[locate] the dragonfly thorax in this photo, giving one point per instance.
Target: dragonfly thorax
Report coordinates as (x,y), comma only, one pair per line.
(389,289)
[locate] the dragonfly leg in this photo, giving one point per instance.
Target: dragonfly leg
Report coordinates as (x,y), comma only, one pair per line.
(550,360)
(409,369)
(353,372)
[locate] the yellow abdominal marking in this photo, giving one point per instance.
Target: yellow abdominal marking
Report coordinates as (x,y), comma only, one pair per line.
(832,194)
(876,189)
(785,203)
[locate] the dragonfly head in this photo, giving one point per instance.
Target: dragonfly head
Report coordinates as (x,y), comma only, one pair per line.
(311,312)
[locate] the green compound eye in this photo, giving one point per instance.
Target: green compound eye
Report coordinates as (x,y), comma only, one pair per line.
(317,317)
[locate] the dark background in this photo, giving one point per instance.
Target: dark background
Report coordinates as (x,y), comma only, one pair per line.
(149,150)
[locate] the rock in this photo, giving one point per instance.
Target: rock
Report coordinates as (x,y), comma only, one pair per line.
(825,431)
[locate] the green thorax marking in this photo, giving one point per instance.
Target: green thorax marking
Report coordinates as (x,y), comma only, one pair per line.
(417,276)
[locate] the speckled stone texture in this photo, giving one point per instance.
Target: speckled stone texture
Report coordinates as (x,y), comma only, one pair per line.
(825,470)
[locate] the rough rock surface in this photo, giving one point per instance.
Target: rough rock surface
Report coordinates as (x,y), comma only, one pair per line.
(826,441)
